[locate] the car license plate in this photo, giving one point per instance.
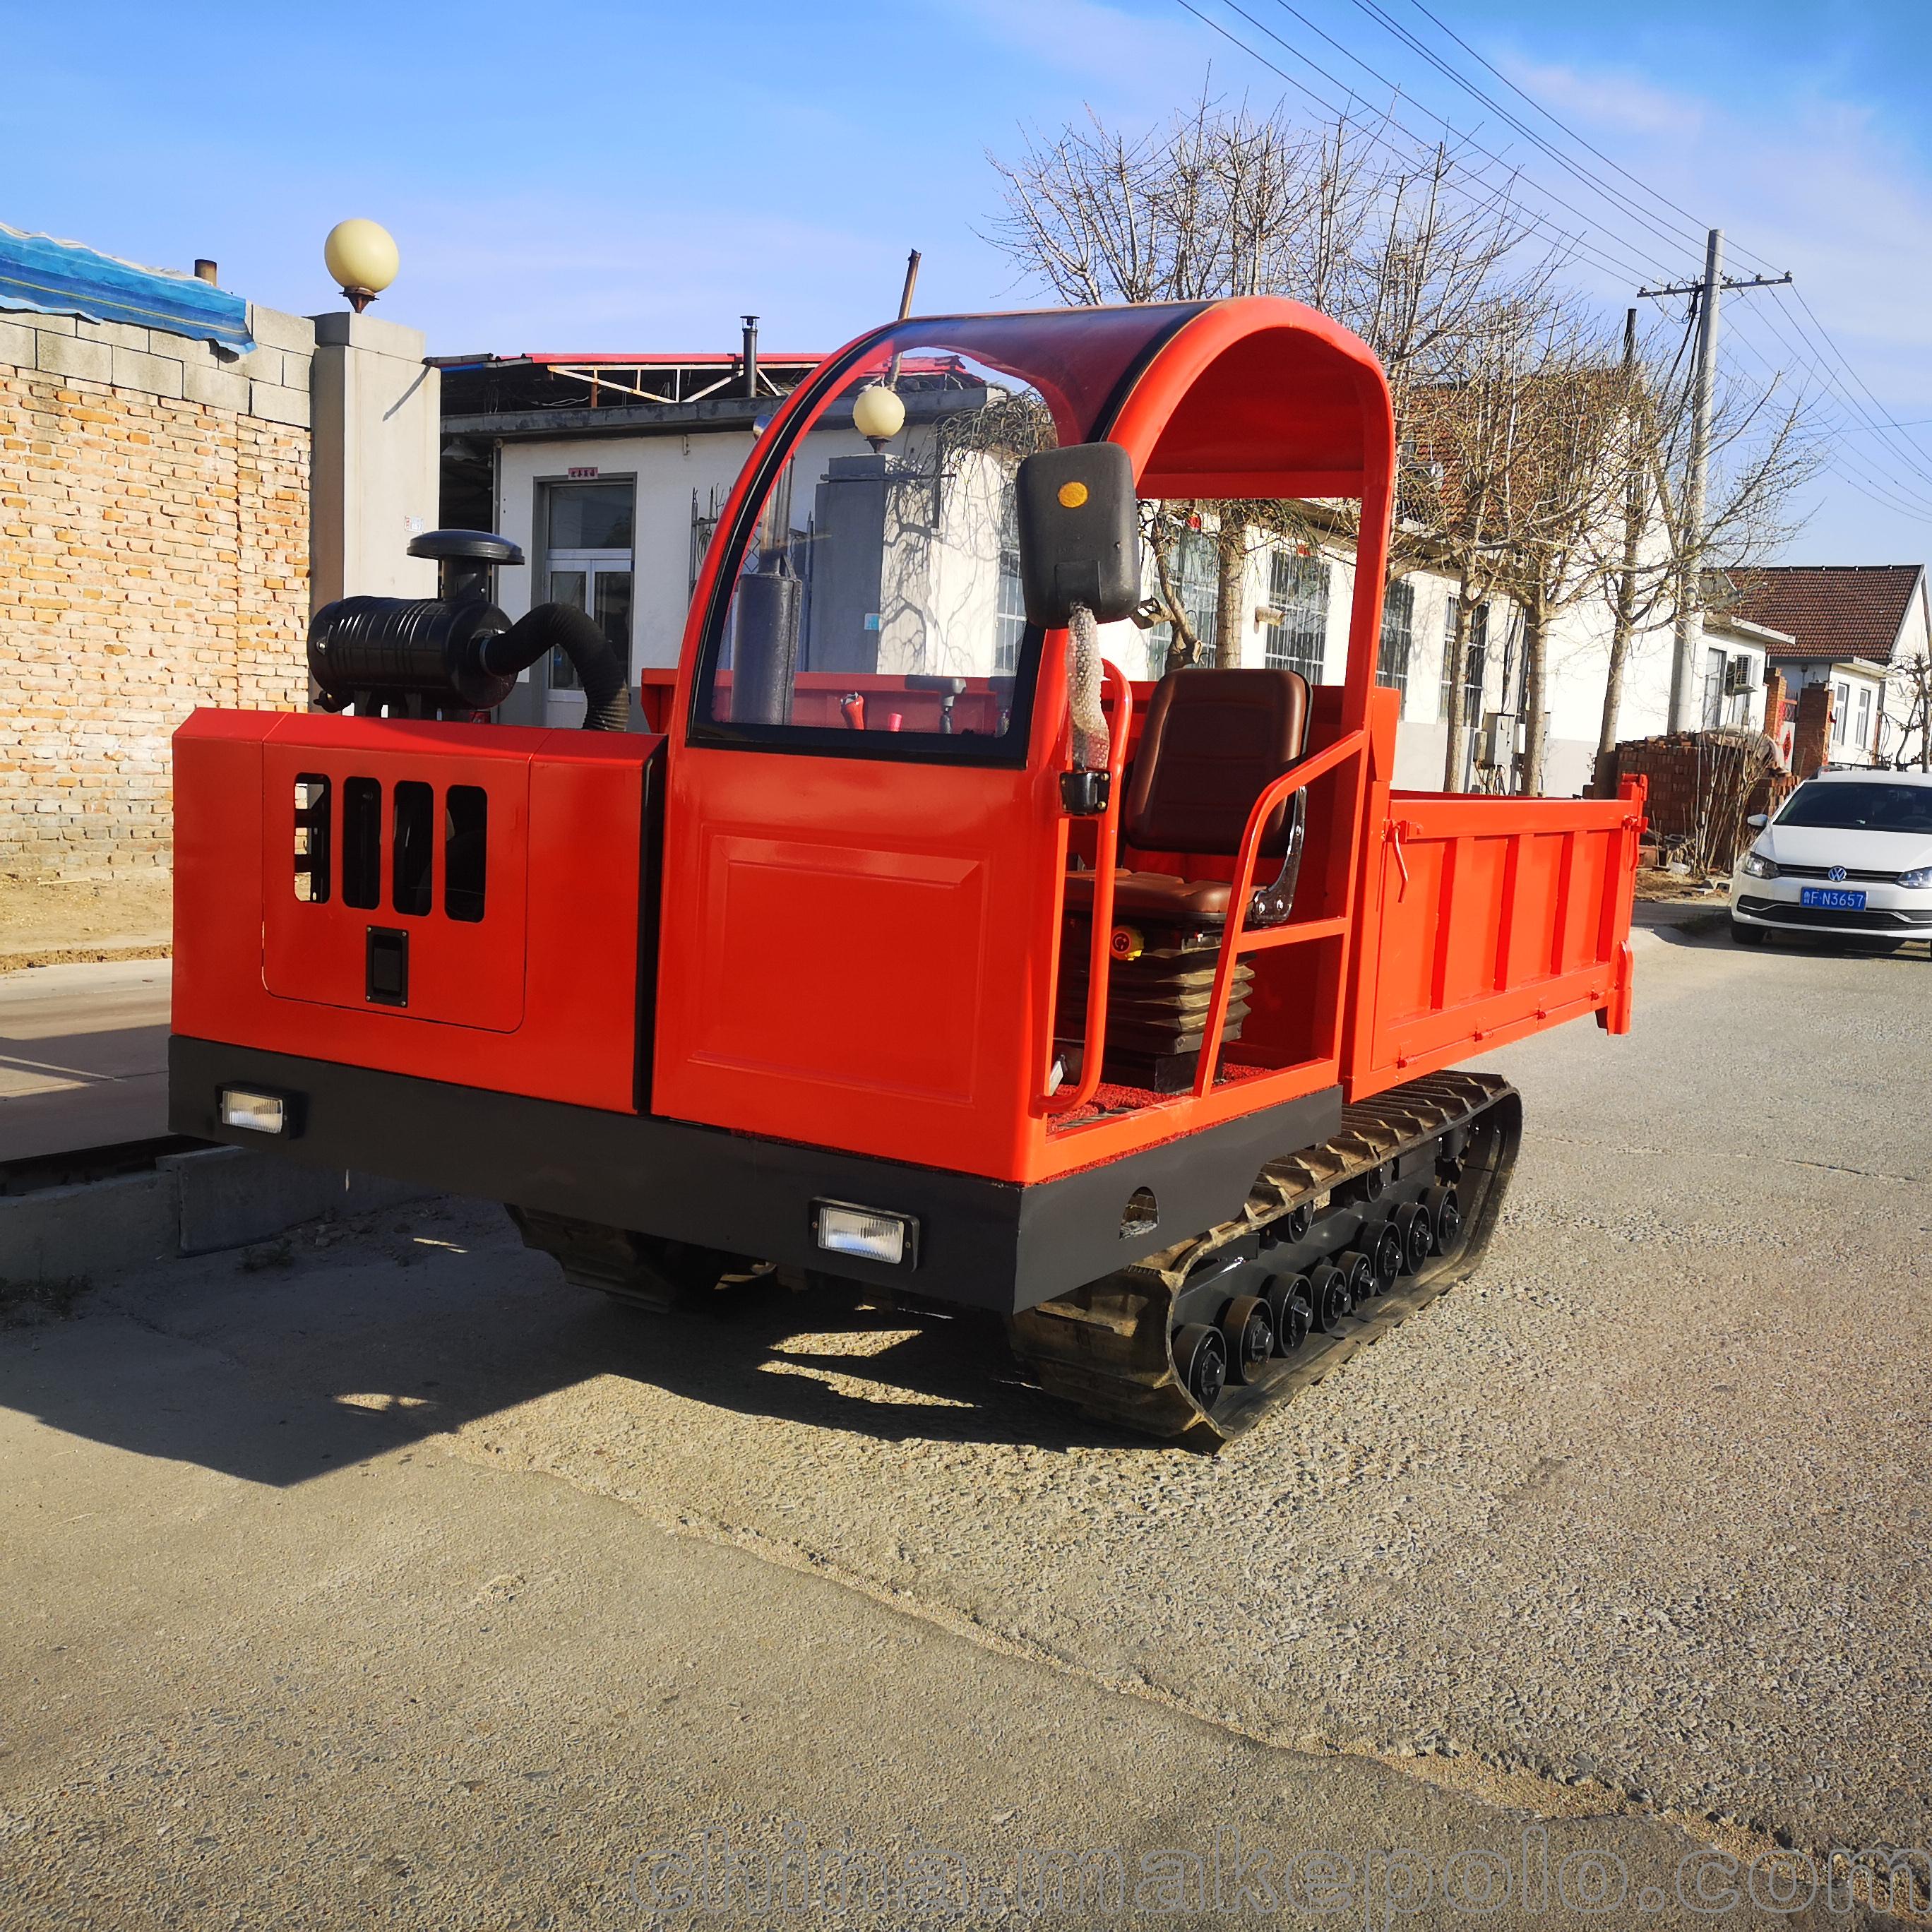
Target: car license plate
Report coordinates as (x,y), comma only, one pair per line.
(1830,898)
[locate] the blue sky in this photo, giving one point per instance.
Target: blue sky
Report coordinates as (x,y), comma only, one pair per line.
(632,177)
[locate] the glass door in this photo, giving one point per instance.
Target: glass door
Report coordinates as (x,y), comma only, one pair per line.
(587,560)
(600,584)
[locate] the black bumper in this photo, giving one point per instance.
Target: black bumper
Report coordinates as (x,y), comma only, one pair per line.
(991,1244)
(1892,920)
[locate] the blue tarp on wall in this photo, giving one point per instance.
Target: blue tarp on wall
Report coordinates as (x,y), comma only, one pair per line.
(64,278)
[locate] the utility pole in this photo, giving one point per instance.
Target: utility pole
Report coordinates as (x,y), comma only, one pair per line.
(1683,711)
(1624,609)
(1690,558)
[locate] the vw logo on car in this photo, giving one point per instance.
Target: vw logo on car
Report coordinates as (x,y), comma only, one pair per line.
(1837,875)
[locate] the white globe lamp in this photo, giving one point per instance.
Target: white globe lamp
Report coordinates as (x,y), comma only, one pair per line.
(878,414)
(361,256)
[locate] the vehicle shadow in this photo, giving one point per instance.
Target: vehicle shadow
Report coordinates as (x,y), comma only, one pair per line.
(346,1341)
(1708,934)
(1829,946)
(824,1359)
(1712,930)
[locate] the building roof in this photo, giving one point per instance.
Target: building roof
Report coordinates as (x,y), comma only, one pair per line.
(1839,611)
(1773,643)
(480,386)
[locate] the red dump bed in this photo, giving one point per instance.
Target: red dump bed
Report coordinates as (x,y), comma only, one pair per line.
(1488,919)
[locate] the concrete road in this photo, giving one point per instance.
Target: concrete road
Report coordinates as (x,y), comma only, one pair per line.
(379,1578)
(83,1057)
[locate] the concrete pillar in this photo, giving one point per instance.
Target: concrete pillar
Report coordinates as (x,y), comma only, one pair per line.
(1811,742)
(373,464)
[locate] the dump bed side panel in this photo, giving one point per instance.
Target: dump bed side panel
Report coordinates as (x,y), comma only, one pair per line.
(1486,919)
(460,902)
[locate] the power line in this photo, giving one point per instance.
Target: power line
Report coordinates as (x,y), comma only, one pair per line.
(1845,363)
(1563,126)
(1849,464)
(1673,236)
(1396,88)
(1543,225)
(1805,351)
(1811,326)
(1854,416)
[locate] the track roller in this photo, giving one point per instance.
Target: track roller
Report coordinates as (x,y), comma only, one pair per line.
(1293,1307)
(1388,1256)
(1201,1355)
(1247,1327)
(1170,1346)
(1358,1276)
(1417,1229)
(1328,1287)
(1446,1211)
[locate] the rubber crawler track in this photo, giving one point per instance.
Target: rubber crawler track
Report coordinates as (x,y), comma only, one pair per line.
(1108,1347)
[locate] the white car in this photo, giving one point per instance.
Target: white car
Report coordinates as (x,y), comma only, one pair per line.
(1850,855)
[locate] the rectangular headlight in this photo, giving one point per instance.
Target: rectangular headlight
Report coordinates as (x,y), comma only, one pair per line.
(259,1113)
(866,1232)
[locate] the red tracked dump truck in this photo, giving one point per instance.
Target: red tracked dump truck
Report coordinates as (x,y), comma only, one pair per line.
(913,942)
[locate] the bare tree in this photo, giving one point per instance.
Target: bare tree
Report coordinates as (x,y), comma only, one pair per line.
(1510,477)
(1911,678)
(1403,245)
(1766,446)
(1533,463)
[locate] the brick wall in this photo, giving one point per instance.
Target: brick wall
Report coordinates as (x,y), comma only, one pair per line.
(1811,735)
(154,556)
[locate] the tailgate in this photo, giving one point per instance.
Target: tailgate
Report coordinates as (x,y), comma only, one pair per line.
(1492,918)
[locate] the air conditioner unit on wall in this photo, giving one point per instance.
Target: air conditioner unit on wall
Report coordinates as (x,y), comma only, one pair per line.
(1740,675)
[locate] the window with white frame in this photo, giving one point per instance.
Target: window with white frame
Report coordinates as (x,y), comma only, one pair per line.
(1197,575)
(1841,711)
(1865,735)
(1714,661)
(1011,620)
(1398,636)
(1193,570)
(1297,637)
(1475,666)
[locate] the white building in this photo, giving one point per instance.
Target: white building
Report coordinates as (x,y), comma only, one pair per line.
(611,473)
(1295,612)
(1845,625)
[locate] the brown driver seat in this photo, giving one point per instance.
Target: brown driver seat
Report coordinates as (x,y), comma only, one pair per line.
(1214,742)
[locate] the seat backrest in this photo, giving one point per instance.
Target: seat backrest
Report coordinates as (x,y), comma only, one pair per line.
(1213,741)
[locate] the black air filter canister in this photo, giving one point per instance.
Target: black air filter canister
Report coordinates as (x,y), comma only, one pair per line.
(393,646)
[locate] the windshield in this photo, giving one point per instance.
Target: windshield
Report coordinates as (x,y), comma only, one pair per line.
(1861,805)
(881,589)
(872,590)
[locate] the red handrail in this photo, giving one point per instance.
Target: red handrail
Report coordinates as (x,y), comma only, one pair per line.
(1295,779)
(1100,943)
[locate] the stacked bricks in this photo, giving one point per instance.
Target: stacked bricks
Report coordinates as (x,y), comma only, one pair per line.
(1684,769)
(154,556)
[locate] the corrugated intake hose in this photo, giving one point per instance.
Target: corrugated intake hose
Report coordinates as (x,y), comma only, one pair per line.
(1083,678)
(606,694)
